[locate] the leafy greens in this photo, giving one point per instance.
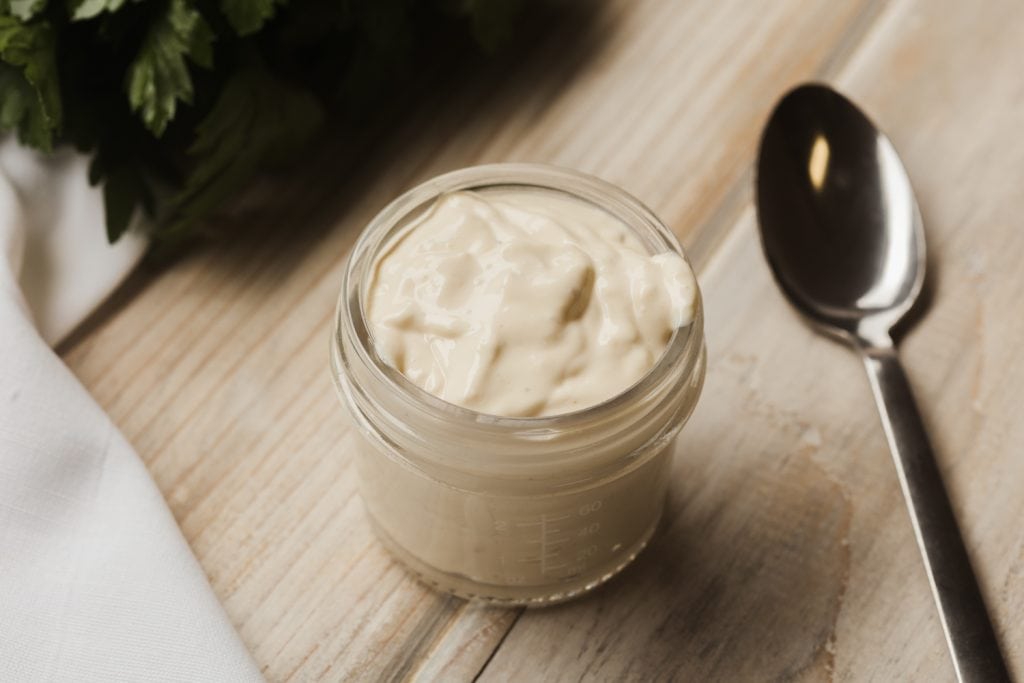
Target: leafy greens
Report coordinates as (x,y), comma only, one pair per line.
(182,102)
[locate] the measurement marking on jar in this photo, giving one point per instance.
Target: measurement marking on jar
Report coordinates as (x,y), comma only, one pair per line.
(556,538)
(543,545)
(539,522)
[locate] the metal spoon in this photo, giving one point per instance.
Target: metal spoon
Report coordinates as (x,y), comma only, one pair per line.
(842,232)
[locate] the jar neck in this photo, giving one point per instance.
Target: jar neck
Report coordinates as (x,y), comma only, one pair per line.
(468,449)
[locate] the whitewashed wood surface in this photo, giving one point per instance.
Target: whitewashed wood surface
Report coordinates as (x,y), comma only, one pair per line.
(786,553)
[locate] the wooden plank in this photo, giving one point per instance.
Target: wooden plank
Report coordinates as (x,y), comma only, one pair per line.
(464,649)
(788,553)
(216,370)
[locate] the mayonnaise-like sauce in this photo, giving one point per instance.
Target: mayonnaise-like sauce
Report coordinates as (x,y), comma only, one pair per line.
(524,302)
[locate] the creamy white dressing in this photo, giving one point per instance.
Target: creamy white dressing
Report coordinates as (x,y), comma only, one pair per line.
(524,303)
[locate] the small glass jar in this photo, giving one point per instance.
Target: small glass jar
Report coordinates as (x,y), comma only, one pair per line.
(511,510)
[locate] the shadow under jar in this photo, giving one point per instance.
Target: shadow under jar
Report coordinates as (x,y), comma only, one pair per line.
(511,510)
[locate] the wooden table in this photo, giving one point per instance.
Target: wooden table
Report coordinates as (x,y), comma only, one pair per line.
(787,553)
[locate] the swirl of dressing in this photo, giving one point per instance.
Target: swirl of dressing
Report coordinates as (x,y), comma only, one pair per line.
(524,303)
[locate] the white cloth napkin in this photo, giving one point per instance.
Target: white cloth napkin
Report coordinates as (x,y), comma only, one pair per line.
(96,581)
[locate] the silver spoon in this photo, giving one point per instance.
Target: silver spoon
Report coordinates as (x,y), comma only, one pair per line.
(842,232)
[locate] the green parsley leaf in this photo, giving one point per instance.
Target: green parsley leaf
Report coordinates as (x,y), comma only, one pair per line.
(28,82)
(22,9)
(258,120)
(124,162)
(17,99)
(158,77)
(118,79)
(123,190)
(87,9)
(248,16)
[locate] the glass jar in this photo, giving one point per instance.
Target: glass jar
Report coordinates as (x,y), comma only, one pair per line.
(511,510)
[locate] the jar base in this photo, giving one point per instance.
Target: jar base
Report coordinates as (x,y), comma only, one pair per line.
(510,595)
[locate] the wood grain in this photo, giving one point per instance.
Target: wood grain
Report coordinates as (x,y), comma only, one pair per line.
(786,552)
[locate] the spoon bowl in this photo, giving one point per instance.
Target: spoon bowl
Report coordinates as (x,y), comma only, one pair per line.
(840,226)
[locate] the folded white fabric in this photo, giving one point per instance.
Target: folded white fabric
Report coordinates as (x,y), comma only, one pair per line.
(96,581)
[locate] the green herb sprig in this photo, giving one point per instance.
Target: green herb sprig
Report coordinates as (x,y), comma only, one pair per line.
(182,102)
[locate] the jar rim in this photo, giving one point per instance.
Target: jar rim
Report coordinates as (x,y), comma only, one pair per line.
(683,348)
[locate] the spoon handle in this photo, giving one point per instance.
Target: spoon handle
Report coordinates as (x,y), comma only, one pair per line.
(969,635)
